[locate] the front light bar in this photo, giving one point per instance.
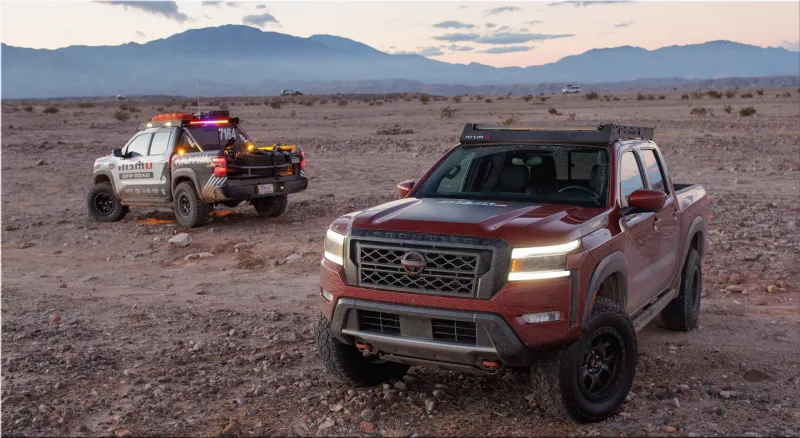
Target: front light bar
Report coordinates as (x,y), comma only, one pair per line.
(540,262)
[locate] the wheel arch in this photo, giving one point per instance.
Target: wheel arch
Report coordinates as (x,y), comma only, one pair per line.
(181,175)
(695,239)
(613,266)
(102,176)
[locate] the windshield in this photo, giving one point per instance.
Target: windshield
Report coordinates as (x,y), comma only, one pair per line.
(533,173)
(212,138)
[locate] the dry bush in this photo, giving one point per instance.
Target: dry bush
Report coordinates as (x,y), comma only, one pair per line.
(760,92)
(684,96)
(651,97)
(213,103)
(457,99)
(697,95)
(371,104)
(544,98)
(51,110)
(510,120)
(747,111)
(786,94)
(407,99)
(553,111)
(640,96)
(395,130)
(714,94)
(247,260)
(527,98)
(341,102)
(592,95)
(424,99)
(700,111)
(28,109)
(309,102)
(730,94)
(728,109)
(122,116)
(276,104)
(572,116)
(607,97)
(85,105)
(662,97)
(323,101)
(379,102)
(127,106)
(447,112)
(266,102)
(488,100)
(292,114)
(501,98)
(747,96)
(223,106)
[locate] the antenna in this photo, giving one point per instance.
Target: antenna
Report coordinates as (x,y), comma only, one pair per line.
(198,93)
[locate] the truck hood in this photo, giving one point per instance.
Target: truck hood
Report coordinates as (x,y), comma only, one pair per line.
(518,223)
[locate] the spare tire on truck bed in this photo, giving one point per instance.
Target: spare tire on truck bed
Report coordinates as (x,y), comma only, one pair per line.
(261,159)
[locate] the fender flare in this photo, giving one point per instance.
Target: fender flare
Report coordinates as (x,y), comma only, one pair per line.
(184,173)
(107,174)
(698,225)
(611,264)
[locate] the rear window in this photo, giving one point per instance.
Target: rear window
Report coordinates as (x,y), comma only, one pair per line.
(212,138)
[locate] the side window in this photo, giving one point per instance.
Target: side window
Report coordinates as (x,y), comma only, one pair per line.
(138,146)
(630,176)
(453,181)
(160,143)
(654,171)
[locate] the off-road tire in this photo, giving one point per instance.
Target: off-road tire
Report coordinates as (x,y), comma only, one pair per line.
(273,206)
(556,377)
(683,313)
(190,211)
(347,364)
(103,203)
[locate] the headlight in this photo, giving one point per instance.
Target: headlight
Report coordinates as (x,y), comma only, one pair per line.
(540,262)
(334,247)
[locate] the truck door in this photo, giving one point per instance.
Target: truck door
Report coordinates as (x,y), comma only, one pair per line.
(156,188)
(640,242)
(133,169)
(667,219)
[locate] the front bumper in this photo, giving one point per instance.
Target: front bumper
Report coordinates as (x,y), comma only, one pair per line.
(244,189)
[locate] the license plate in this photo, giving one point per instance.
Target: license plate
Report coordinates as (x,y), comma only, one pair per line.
(265,188)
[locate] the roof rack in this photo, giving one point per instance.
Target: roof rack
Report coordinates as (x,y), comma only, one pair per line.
(203,118)
(604,134)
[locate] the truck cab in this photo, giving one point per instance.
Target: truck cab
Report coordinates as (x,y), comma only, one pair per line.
(571,89)
(192,162)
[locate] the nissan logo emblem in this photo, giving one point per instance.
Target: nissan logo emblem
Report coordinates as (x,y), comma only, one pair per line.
(413,262)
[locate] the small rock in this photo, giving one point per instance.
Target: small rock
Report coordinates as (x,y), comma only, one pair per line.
(772,288)
(754,375)
(240,246)
(675,403)
(293,258)
(735,278)
(670,429)
(252,412)
(54,319)
(40,163)
(400,386)
(327,424)
(59,385)
(26,245)
(390,396)
(181,240)
(367,414)
(231,428)
(367,427)
(735,288)
(725,394)
(44,409)
(438,393)
(430,405)
(9,228)
(239,361)
(199,345)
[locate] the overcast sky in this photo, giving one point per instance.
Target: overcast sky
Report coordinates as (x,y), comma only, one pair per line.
(494,33)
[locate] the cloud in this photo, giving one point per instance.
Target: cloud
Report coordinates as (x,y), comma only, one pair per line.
(261,7)
(582,4)
(140,34)
(490,25)
(457,37)
(167,9)
(453,24)
(423,51)
(624,24)
(517,37)
(501,9)
(211,3)
(229,4)
(455,48)
(793,46)
(233,4)
(535,22)
(260,20)
(509,49)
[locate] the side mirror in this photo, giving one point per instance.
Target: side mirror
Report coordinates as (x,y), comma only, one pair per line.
(404,187)
(647,200)
(117,153)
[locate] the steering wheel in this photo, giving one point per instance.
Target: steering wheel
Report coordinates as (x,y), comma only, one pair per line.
(589,191)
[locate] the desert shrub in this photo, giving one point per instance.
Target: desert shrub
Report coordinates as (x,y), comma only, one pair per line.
(501,98)
(51,110)
(640,96)
(127,106)
(747,111)
(714,94)
(478,97)
(697,95)
(527,98)
(379,102)
(728,109)
(572,116)
(607,97)
(85,105)
(160,109)
(292,114)
(122,116)
(407,99)
(510,120)
(684,96)
(699,111)
(323,101)
(276,104)
(223,106)
(786,94)
(651,97)
(730,94)
(553,111)
(662,97)
(371,104)
(394,130)
(447,112)
(266,102)
(592,95)
(28,109)
(341,102)
(424,99)
(488,100)
(544,98)
(615,98)
(760,92)
(747,96)
(457,99)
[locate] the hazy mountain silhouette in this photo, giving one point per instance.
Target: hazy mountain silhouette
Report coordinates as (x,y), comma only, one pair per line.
(240,60)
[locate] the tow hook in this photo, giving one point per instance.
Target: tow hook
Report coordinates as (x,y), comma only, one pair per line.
(492,364)
(364,348)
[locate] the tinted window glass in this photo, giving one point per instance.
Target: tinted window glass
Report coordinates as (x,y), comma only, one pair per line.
(212,138)
(138,146)
(653,168)
(630,176)
(160,143)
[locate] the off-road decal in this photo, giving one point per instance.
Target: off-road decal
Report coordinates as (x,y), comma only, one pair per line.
(142,165)
(179,160)
(136,175)
(209,192)
(482,203)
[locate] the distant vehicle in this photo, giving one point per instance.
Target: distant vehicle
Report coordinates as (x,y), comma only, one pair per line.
(121,97)
(571,89)
(290,92)
(193,162)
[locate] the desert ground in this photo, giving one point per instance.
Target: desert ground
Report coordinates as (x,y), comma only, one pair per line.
(107,330)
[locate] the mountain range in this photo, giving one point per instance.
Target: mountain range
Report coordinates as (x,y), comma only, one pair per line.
(236,60)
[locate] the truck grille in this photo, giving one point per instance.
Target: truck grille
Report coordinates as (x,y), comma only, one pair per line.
(459,332)
(444,272)
(379,322)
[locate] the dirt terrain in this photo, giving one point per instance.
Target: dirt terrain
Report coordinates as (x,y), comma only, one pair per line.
(107,330)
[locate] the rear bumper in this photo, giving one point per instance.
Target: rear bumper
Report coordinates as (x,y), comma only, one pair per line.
(242,189)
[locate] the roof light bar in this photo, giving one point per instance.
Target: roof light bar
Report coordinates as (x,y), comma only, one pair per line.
(209,122)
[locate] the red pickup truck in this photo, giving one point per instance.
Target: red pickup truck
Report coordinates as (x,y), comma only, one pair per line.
(521,248)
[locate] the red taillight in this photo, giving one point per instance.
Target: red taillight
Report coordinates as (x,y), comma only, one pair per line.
(302,160)
(221,166)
